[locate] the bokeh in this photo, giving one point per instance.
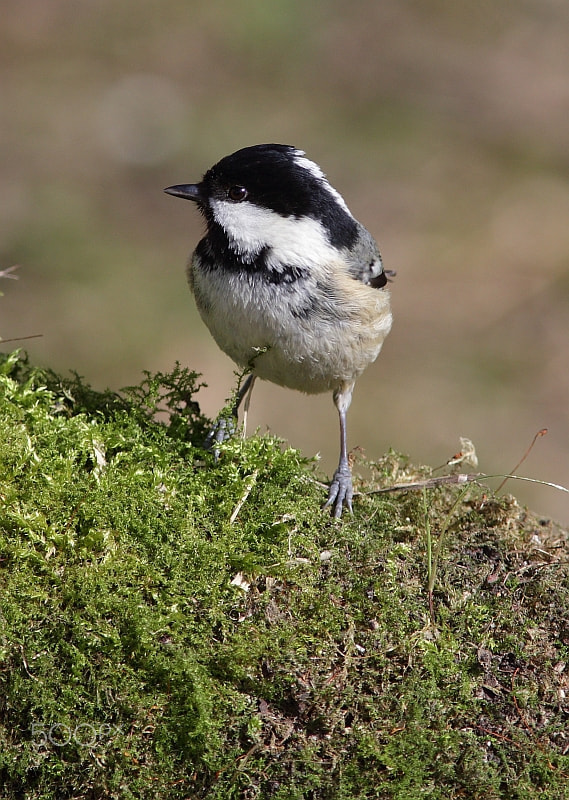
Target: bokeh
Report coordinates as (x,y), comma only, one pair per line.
(445,126)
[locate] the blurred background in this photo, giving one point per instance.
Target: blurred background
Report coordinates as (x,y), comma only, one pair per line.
(445,126)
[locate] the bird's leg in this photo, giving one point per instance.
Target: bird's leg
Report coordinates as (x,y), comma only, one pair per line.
(224,427)
(245,393)
(341,491)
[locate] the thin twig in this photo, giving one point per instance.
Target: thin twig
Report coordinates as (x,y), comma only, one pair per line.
(432,483)
(540,433)
(7,273)
(22,338)
(434,554)
(246,493)
(430,576)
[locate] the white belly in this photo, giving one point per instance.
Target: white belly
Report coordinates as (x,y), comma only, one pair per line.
(259,324)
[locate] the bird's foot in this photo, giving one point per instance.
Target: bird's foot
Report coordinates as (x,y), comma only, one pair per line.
(341,491)
(223,429)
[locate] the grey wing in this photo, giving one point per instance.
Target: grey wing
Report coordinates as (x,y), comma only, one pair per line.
(365,260)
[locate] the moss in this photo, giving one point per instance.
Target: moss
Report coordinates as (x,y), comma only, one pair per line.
(177,627)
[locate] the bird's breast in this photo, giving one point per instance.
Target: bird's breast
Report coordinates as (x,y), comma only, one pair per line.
(312,333)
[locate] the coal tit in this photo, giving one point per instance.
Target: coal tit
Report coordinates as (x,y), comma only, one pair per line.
(287,281)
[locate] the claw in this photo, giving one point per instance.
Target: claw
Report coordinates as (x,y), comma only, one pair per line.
(340,492)
(222,430)
(224,427)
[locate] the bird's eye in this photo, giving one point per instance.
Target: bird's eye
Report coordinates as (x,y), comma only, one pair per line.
(237,193)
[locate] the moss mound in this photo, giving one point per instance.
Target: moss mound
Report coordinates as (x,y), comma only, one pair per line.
(175,627)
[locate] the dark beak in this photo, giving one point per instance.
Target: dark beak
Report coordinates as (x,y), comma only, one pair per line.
(188,191)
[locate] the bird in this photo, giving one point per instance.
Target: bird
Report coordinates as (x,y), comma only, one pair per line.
(289,283)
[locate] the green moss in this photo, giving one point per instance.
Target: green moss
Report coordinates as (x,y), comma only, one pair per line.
(176,627)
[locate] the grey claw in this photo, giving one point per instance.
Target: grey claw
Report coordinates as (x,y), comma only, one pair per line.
(222,430)
(340,492)
(224,427)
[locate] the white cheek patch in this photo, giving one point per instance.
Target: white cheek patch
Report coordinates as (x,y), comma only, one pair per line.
(291,241)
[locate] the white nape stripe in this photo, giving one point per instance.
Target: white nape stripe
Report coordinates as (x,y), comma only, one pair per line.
(301,161)
(301,242)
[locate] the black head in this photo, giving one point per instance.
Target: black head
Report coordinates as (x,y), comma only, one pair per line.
(276,177)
